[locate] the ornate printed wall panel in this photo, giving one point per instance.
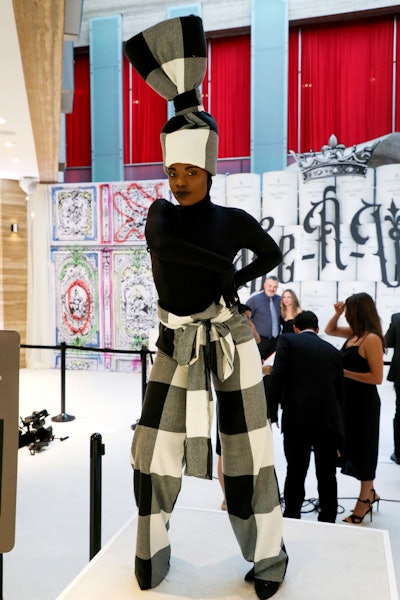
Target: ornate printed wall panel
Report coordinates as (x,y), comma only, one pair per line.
(77,303)
(74,213)
(134,301)
(104,296)
(130,202)
(77,297)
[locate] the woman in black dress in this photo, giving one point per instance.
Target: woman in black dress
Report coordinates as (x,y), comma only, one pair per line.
(363,371)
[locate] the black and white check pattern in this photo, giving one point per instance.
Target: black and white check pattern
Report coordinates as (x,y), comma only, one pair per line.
(175,404)
(171,58)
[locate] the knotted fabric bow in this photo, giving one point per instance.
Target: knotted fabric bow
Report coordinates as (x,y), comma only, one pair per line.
(201,342)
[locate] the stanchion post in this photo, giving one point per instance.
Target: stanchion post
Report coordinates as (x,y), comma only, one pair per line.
(96,452)
(63,416)
(143,359)
(143,362)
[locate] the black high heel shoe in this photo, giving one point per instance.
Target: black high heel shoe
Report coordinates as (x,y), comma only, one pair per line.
(357,519)
(375,498)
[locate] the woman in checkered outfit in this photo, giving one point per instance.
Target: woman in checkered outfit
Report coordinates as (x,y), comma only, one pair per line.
(204,340)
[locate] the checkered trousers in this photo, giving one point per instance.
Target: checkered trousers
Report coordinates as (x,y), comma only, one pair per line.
(158,457)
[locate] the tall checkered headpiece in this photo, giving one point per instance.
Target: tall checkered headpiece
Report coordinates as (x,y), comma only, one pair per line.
(171,58)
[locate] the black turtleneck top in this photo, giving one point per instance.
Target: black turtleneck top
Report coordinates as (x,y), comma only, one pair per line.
(192,250)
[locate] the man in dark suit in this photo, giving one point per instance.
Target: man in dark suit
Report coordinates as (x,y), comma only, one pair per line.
(393,341)
(307,381)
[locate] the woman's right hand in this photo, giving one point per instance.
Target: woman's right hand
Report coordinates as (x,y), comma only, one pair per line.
(332,327)
(339,308)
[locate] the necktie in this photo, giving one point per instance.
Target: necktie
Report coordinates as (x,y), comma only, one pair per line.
(274,319)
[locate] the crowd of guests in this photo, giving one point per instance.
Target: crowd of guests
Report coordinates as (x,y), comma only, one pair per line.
(327,398)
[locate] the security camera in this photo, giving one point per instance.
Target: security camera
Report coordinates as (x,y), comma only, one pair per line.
(28,184)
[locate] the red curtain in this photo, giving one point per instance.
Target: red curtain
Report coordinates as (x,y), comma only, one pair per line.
(206,83)
(149,113)
(126,101)
(229,66)
(346,82)
(346,89)
(293,95)
(78,136)
(397,99)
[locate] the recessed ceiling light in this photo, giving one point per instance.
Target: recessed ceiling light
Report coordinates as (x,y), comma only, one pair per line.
(15,160)
(8,144)
(2,121)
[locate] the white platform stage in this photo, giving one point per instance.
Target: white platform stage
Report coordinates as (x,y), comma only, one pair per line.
(333,562)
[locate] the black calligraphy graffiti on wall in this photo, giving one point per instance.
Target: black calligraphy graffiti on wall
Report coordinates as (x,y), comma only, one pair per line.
(329,228)
(393,237)
(324,217)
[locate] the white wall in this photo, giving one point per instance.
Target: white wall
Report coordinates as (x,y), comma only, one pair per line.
(230,14)
(308,9)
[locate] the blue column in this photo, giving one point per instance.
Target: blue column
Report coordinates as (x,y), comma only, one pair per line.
(67,93)
(269,73)
(105,38)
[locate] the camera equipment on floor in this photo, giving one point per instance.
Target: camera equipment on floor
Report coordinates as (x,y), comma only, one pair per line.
(33,432)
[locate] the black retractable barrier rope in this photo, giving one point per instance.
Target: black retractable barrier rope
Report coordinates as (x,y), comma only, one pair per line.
(143,352)
(63,417)
(97,449)
(143,358)
(96,452)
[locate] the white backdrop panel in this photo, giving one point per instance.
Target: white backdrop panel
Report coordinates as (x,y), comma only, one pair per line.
(247,200)
(388,184)
(319,296)
(348,288)
(303,257)
(369,264)
(387,302)
(243,181)
(332,271)
(218,190)
(351,190)
(279,197)
(312,193)
(276,232)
